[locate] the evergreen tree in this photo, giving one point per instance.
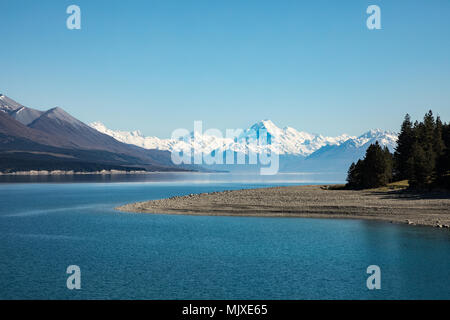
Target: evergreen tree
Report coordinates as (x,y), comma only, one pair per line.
(351,176)
(443,161)
(359,174)
(427,142)
(375,167)
(422,156)
(402,154)
(438,150)
(389,164)
(421,168)
(375,170)
(438,139)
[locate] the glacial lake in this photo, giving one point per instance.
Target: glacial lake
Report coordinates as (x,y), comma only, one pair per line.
(47,226)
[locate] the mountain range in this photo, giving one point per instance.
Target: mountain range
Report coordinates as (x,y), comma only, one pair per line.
(31,139)
(299,151)
(54,140)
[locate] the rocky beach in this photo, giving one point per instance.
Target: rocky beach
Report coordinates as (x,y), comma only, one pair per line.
(396,206)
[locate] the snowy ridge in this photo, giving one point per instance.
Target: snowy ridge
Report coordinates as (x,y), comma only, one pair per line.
(286,141)
(384,138)
(8,105)
(135,137)
(293,142)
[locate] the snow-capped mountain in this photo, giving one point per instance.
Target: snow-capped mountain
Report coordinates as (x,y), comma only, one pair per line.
(337,158)
(136,138)
(283,141)
(356,147)
(384,138)
(299,151)
(8,105)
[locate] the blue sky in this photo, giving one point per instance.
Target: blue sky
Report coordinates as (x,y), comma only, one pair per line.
(160,65)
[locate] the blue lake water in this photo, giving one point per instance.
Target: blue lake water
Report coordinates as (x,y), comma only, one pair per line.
(45,227)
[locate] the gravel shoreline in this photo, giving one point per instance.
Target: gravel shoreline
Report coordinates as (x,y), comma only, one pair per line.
(397,206)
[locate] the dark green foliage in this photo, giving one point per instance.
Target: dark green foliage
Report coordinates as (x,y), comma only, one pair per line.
(402,155)
(353,175)
(422,169)
(426,157)
(422,156)
(388,157)
(443,162)
(375,170)
(438,139)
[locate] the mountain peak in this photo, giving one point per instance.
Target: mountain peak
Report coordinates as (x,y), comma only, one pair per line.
(287,141)
(58,113)
(57,110)
(8,105)
(26,115)
(267,125)
(267,122)
(384,138)
(264,123)
(98,125)
(374,133)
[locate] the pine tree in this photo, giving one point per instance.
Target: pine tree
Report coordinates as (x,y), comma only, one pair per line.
(375,170)
(438,149)
(351,176)
(354,175)
(359,171)
(403,155)
(443,161)
(375,167)
(389,163)
(422,156)
(421,168)
(428,130)
(438,140)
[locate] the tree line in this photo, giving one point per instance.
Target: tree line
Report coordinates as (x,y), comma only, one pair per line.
(422,157)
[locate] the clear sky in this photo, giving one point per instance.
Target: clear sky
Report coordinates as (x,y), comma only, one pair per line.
(159,65)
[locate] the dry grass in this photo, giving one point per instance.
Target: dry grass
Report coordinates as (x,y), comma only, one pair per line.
(398,185)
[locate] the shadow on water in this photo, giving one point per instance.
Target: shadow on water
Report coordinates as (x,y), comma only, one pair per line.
(194,177)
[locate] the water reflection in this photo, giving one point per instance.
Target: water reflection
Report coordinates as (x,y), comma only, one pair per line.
(316,178)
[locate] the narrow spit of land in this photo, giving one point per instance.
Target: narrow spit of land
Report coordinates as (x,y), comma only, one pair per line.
(399,206)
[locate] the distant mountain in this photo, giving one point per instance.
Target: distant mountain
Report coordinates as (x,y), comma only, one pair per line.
(299,151)
(35,138)
(135,138)
(57,122)
(26,115)
(289,141)
(13,129)
(339,157)
(357,146)
(8,105)
(59,139)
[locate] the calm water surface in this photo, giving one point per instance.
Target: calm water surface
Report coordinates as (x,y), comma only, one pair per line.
(45,227)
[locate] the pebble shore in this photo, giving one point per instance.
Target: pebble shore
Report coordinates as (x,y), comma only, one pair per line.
(396,206)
